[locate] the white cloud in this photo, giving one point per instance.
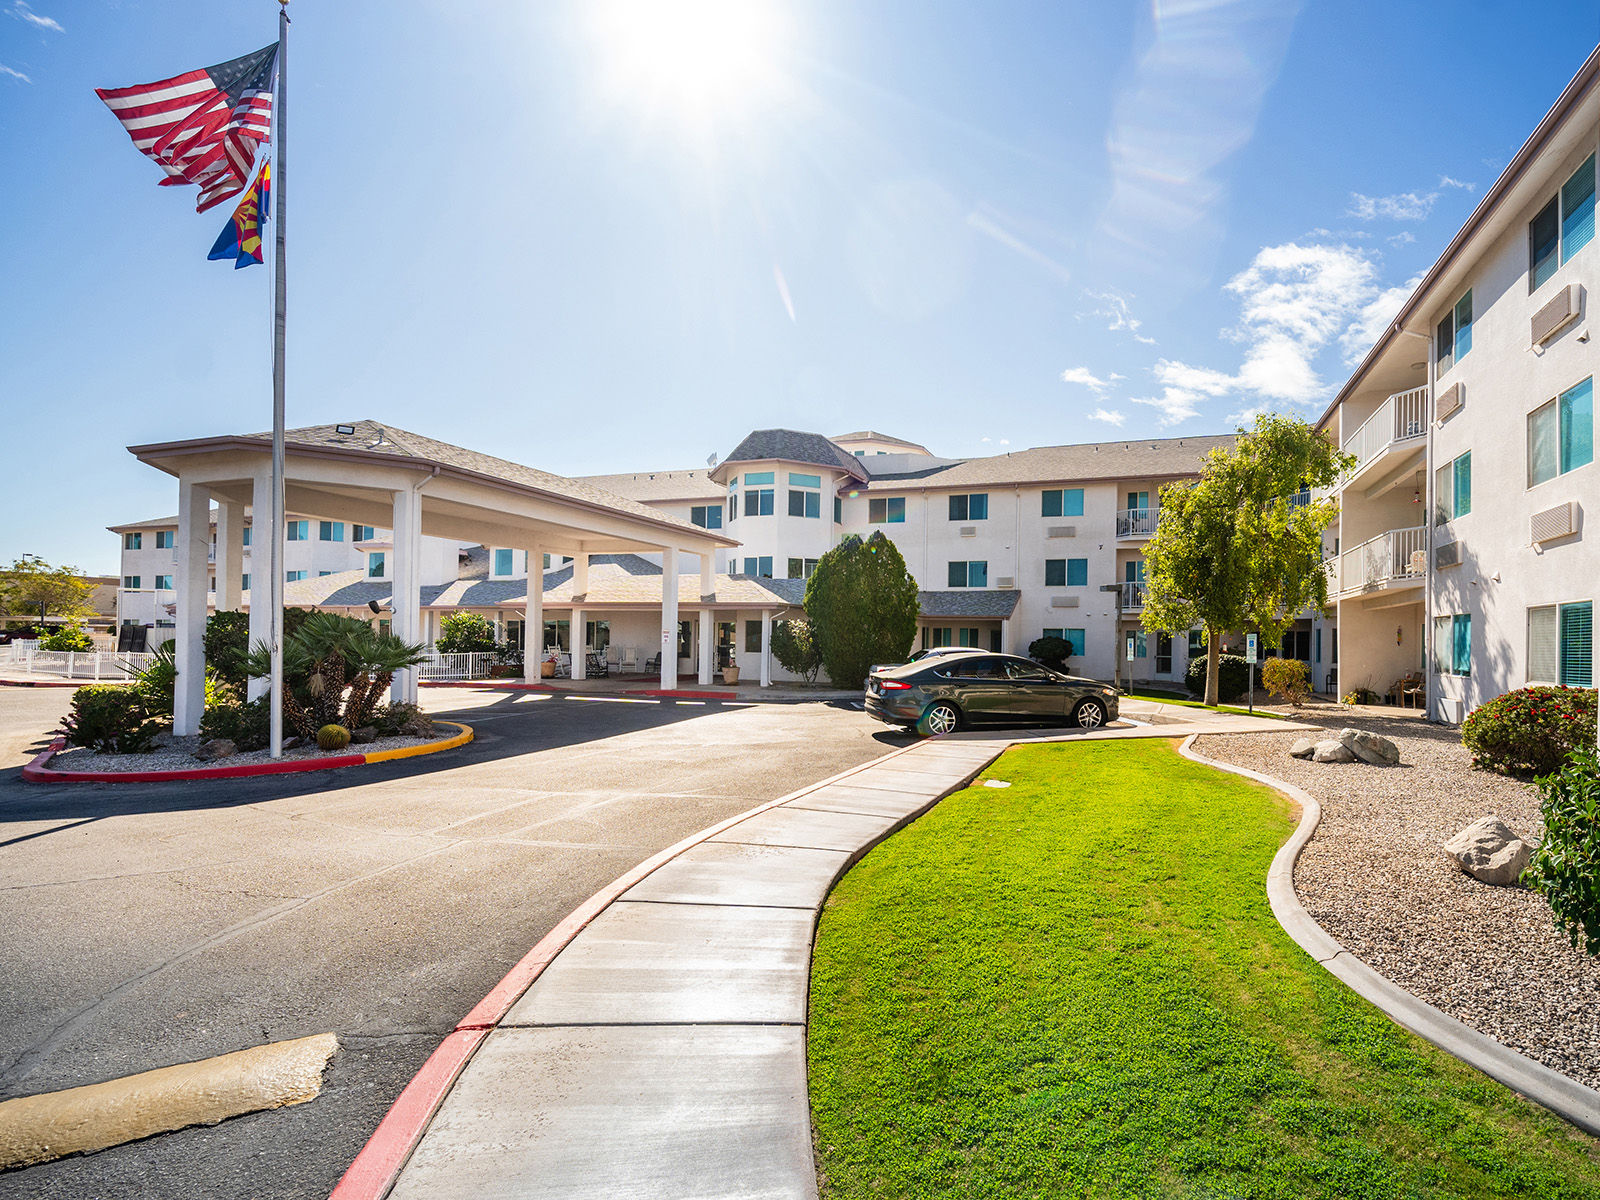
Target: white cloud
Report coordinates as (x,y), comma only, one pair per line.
(1373,317)
(21,10)
(1110,418)
(1447,181)
(1404,238)
(5,70)
(1088,378)
(1113,309)
(1402,206)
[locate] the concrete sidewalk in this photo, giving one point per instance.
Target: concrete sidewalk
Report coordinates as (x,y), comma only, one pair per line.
(662,1050)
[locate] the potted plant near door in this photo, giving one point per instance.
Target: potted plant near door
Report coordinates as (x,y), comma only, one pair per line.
(730,673)
(547,669)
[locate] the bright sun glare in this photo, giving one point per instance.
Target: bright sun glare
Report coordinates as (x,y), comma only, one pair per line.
(700,62)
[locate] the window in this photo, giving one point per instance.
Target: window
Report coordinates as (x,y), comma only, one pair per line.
(758,501)
(759,567)
(974,507)
(752,637)
(1063,502)
(804,481)
(733,502)
(247,535)
(838,510)
(757,477)
(299,531)
(1452,489)
(969,574)
(244,583)
(1140,647)
(805,503)
(165,538)
(133,541)
(1066,572)
(163,583)
(1138,501)
(941,636)
(502,562)
(889,510)
(1561,434)
(801,568)
(1318,650)
(294,576)
(361,533)
(1566,225)
(707,516)
(131,582)
(1197,643)
(1452,644)
(320,574)
(1453,338)
(1077,572)
(375,565)
(330,531)
(1561,644)
(1075,638)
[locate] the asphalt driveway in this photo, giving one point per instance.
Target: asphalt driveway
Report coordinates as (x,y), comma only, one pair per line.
(149,924)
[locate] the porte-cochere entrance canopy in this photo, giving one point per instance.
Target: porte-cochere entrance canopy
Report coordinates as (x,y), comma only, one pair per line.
(372,474)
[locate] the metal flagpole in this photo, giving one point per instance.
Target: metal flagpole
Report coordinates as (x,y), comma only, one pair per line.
(276,533)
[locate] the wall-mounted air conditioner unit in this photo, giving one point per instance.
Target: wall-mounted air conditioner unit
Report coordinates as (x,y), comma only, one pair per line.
(969,531)
(1005,581)
(1558,314)
(1447,555)
(1553,523)
(1058,531)
(1063,602)
(1450,402)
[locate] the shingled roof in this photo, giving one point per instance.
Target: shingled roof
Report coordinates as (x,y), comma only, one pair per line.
(790,445)
(1159,458)
(868,435)
(970,602)
(692,484)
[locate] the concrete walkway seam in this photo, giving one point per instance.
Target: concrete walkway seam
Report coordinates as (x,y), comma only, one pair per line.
(38,771)
(1562,1095)
(376,1168)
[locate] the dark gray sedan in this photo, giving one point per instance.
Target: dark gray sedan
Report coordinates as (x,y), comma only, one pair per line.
(938,695)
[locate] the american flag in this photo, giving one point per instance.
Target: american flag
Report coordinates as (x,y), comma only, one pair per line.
(202,127)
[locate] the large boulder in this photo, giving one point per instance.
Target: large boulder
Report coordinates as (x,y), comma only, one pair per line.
(1370,748)
(1332,751)
(1488,850)
(1303,748)
(216,748)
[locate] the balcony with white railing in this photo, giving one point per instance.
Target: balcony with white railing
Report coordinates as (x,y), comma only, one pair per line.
(1136,522)
(1398,427)
(1131,596)
(1397,558)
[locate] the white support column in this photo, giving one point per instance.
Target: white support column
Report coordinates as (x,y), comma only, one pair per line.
(580,664)
(708,580)
(533,617)
(1005,635)
(194,540)
(580,575)
(404,571)
(260,563)
(708,640)
(766,647)
(230,554)
(669,618)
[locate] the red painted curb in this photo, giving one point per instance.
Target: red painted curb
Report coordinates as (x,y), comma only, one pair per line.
(380,1161)
(491,685)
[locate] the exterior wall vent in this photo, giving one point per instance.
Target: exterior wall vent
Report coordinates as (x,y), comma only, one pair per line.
(1450,400)
(969,531)
(1057,531)
(1553,523)
(1447,555)
(1558,314)
(1063,602)
(1005,582)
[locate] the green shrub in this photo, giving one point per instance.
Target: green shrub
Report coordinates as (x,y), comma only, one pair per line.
(157,684)
(1361,695)
(1565,869)
(1051,650)
(465,633)
(1233,677)
(227,641)
(391,719)
(862,604)
(109,719)
(1287,677)
(67,637)
(794,645)
(1531,731)
(247,725)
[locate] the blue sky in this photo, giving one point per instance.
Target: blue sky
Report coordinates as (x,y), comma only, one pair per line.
(528,230)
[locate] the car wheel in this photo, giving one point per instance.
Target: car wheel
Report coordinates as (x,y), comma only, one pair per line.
(940,719)
(1091,714)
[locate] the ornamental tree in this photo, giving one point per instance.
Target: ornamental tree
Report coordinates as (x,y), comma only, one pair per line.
(32,586)
(862,605)
(465,633)
(1231,551)
(794,645)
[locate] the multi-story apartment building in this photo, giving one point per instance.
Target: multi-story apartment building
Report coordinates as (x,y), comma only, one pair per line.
(1005,549)
(1463,555)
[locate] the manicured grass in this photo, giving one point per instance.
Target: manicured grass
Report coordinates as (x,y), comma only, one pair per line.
(1184,701)
(1074,987)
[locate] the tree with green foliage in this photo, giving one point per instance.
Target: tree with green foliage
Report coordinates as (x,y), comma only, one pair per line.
(862,606)
(1232,550)
(32,587)
(227,640)
(465,633)
(794,645)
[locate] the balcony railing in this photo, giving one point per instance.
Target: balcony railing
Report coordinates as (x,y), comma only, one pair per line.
(1131,596)
(1398,555)
(1136,522)
(1400,419)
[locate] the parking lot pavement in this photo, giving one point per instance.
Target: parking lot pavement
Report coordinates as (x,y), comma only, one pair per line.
(150,924)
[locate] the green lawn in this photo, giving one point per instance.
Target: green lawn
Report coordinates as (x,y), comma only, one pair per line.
(1075,987)
(1184,701)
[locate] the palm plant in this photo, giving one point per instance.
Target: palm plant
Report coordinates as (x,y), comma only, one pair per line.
(335,670)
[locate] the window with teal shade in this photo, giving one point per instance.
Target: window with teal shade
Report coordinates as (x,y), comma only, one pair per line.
(1577,426)
(1463,482)
(244,583)
(165,538)
(1461,644)
(294,576)
(1452,489)
(1577,210)
(758,477)
(1055,572)
(135,541)
(804,480)
(375,565)
(1077,572)
(331,531)
(1577,644)
(1139,647)
(1544,243)
(299,531)
(838,510)
(1079,641)
(1072,502)
(1463,325)
(1197,643)
(502,562)
(164,583)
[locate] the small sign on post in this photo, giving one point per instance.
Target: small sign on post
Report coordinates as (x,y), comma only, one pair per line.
(1250,647)
(1250,657)
(1130,647)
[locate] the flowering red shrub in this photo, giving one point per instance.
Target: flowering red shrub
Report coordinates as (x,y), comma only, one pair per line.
(1531,731)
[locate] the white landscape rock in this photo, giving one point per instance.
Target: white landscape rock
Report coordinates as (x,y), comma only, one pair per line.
(1303,748)
(1370,748)
(1332,751)
(1488,850)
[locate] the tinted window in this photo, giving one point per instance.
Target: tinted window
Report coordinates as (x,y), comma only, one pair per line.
(1028,671)
(979,668)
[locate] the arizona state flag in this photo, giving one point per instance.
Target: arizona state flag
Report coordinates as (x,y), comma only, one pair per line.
(240,238)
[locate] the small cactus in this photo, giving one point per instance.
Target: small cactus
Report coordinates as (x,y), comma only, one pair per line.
(333,737)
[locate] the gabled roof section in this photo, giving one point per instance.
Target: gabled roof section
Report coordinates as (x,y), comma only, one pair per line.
(790,445)
(868,435)
(1092,462)
(657,486)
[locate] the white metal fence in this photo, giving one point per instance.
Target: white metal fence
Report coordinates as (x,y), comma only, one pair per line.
(1397,554)
(1136,522)
(90,665)
(442,667)
(1132,595)
(1402,417)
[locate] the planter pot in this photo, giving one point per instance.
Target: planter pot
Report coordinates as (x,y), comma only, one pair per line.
(730,674)
(547,670)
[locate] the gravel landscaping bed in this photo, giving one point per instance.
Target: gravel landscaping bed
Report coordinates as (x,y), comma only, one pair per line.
(1374,877)
(177,754)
